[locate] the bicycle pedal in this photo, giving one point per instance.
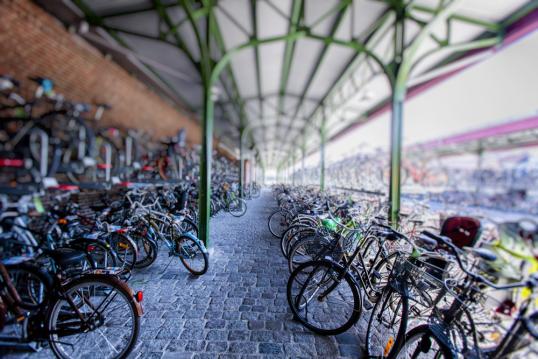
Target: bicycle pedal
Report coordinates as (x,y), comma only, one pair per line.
(367,305)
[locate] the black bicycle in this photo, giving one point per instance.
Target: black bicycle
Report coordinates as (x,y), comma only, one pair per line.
(451,332)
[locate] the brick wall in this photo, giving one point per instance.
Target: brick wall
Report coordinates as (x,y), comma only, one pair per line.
(34,43)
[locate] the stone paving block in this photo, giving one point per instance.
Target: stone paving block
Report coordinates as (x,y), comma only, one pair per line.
(238,309)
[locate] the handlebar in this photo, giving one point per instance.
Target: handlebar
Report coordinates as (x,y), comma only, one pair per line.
(531,283)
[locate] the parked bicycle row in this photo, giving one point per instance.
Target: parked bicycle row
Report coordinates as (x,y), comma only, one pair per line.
(423,292)
(67,256)
(48,136)
(506,183)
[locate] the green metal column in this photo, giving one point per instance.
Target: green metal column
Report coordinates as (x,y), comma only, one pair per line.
(206,70)
(205,167)
(398,96)
(241,161)
(303,155)
(323,139)
(293,160)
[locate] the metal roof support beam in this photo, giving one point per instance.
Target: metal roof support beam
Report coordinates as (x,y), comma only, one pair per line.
(340,10)
(196,14)
(276,94)
(297,10)
(488,25)
(396,119)
(92,18)
(235,97)
(374,33)
(132,11)
(254,17)
(359,47)
(163,15)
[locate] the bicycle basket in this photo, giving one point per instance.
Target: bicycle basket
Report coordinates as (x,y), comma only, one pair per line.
(424,278)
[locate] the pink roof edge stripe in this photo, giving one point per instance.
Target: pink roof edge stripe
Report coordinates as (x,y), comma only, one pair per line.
(506,128)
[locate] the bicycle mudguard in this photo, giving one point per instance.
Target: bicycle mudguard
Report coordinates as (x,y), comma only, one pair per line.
(194,238)
(441,331)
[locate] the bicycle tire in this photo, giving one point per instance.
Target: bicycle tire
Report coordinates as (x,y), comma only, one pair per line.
(188,226)
(272,229)
(194,248)
(287,235)
(387,348)
(322,245)
(346,277)
(27,290)
(238,207)
(147,251)
(125,249)
(105,280)
(423,332)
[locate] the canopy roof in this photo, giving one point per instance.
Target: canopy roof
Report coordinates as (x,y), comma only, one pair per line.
(283,89)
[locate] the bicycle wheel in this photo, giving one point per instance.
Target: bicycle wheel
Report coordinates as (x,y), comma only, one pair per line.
(323,297)
(387,324)
(96,316)
(33,285)
(126,250)
(256,192)
(380,274)
(289,235)
(238,207)
(308,249)
(277,223)
(420,342)
(188,226)
(192,254)
(147,251)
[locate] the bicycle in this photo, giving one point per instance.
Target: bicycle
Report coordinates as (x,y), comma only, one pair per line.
(447,332)
(79,316)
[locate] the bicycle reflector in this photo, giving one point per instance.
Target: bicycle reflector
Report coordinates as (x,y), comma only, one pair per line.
(388,346)
(139,296)
(10,162)
(90,248)
(62,221)
(122,231)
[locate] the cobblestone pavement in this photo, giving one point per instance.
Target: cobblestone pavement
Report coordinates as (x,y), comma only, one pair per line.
(238,309)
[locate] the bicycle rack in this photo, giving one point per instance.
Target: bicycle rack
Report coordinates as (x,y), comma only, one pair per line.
(128,151)
(108,161)
(44,151)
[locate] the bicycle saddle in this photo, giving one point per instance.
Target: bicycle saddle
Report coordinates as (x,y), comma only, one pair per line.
(81,107)
(8,82)
(64,256)
(104,106)
(44,82)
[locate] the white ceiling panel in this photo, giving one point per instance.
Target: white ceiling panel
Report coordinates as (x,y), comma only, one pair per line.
(305,57)
(245,72)
(271,57)
(333,63)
